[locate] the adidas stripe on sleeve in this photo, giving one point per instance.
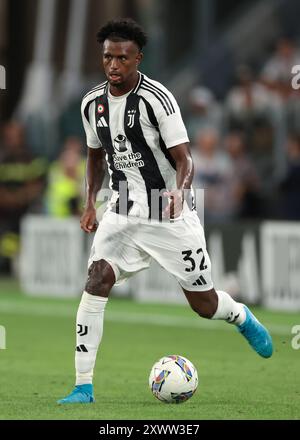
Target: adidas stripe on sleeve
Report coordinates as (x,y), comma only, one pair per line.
(167,113)
(88,120)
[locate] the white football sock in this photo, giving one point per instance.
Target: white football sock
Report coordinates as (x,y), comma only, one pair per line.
(229,310)
(89,329)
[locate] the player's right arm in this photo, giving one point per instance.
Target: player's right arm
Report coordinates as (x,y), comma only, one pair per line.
(96,165)
(95,172)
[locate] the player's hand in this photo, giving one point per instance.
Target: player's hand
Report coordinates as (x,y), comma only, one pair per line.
(174,208)
(88,222)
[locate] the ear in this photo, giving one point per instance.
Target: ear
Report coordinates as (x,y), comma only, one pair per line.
(139,58)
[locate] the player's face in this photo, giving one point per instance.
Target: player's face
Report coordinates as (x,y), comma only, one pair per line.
(120,61)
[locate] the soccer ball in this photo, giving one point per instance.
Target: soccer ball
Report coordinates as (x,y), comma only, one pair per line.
(173,379)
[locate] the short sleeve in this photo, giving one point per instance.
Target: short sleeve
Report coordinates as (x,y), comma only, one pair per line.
(171,125)
(88,117)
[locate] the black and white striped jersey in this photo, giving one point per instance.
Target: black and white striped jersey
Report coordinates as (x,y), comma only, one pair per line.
(136,130)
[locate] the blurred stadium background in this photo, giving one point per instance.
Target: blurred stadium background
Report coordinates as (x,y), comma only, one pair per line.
(229,64)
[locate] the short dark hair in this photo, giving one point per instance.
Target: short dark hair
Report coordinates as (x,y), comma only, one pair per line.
(123,29)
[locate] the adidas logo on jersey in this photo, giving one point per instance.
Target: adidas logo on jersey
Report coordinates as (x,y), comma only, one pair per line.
(102,122)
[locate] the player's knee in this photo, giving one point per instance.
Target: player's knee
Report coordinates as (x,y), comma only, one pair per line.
(100,278)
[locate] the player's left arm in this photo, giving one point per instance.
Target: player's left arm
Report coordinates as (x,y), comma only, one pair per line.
(184,176)
(175,138)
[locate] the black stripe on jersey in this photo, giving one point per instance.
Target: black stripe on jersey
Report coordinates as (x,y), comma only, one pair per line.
(162,94)
(105,138)
(150,112)
(86,111)
(151,172)
(118,208)
(144,87)
(166,152)
(95,89)
(153,120)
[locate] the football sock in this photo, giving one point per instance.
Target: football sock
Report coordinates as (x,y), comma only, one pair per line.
(89,329)
(229,310)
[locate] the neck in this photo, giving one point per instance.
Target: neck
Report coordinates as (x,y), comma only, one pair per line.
(124,88)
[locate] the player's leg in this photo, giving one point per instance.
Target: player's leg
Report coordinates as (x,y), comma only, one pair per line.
(214,304)
(180,248)
(114,258)
(89,329)
(90,318)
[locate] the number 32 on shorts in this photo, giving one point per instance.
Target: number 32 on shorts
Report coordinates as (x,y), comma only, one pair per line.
(188,256)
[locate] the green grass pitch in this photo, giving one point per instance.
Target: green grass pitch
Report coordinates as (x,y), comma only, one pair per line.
(37,367)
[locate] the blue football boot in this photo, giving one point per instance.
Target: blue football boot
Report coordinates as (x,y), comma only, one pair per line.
(80,394)
(256,334)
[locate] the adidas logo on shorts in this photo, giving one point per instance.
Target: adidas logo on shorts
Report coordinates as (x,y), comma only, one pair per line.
(200,281)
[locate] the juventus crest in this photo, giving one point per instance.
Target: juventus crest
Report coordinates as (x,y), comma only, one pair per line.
(131,116)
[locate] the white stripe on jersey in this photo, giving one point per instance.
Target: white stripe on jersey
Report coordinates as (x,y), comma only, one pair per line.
(94,89)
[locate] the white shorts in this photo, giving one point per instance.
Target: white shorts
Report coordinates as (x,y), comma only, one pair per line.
(128,244)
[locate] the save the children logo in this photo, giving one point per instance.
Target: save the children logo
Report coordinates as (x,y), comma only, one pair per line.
(120,143)
(124,159)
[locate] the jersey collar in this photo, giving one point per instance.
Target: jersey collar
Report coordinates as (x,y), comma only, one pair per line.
(139,83)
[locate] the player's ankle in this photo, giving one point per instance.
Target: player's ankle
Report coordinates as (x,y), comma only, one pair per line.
(229,310)
(84,378)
